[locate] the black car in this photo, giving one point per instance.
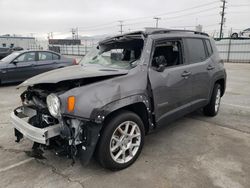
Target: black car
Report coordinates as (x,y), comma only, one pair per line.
(4,51)
(123,89)
(24,64)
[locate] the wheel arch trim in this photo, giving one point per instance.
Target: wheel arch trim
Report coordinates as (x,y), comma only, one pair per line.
(99,115)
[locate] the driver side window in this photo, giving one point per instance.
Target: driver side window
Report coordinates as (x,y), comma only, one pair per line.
(26,57)
(167,54)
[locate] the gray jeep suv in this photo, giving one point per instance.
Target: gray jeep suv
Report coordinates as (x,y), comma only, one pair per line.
(124,88)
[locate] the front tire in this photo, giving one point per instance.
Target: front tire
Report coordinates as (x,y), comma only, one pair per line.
(121,141)
(213,107)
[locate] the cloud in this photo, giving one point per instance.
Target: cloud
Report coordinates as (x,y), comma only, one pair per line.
(98,17)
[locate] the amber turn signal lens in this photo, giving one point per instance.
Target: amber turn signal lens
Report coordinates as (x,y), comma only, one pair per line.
(71,103)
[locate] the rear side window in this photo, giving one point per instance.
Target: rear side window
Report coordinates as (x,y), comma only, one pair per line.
(44,56)
(209,47)
(55,57)
(196,50)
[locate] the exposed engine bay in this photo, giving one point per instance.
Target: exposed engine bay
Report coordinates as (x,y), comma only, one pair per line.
(73,134)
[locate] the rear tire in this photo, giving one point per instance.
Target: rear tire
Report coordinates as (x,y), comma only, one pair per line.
(213,107)
(121,141)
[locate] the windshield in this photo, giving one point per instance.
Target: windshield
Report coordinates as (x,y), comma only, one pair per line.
(11,57)
(115,54)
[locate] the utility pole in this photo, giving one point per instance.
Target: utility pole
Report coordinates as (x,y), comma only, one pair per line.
(77,33)
(121,25)
(157,20)
(50,35)
(222,17)
(32,34)
(73,31)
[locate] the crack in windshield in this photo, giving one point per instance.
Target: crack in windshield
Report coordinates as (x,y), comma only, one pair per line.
(118,54)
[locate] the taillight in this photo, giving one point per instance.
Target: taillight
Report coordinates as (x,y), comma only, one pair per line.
(74,62)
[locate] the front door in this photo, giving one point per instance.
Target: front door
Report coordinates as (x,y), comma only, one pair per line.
(21,68)
(169,78)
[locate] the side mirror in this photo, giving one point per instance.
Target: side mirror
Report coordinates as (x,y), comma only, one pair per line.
(160,68)
(15,62)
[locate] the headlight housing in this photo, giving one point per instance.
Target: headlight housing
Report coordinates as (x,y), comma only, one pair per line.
(53,103)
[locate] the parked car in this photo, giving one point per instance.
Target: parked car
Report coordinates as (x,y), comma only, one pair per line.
(123,89)
(21,65)
(243,34)
(4,51)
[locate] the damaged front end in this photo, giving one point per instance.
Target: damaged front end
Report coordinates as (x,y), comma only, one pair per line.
(39,119)
(65,109)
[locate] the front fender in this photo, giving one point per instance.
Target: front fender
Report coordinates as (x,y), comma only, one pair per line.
(107,94)
(99,114)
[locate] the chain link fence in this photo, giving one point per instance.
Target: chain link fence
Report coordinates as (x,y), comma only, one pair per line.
(230,50)
(234,50)
(77,50)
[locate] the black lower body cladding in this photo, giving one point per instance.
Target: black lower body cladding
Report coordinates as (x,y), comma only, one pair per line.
(84,140)
(70,136)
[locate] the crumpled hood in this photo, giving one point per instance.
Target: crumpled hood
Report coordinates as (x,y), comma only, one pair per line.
(72,73)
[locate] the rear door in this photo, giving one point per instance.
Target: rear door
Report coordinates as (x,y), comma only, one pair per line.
(21,67)
(201,67)
(45,62)
(171,87)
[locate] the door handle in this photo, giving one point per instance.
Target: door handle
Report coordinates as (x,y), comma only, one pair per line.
(210,67)
(185,74)
(4,71)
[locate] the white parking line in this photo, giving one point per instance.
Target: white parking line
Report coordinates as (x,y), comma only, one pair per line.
(236,105)
(15,165)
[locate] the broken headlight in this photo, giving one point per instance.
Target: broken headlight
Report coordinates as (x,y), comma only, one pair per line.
(53,103)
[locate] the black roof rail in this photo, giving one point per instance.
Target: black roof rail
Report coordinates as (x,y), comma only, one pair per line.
(161,31)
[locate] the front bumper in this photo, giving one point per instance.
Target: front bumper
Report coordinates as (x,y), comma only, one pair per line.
(19,119)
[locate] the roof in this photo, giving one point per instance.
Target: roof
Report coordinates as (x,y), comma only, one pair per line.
(248,29)
(16,37)
(22,51)
(152,31)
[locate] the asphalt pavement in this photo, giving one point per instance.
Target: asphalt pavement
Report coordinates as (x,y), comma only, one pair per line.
(195,151)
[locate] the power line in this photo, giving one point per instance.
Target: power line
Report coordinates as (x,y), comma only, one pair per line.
(189,14)
(174,12)
(101,26)
(176,17)
(151,22)
(239,5)
(94,26)
(149,17)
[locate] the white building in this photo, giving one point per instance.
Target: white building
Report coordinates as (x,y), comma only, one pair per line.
(16,41)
